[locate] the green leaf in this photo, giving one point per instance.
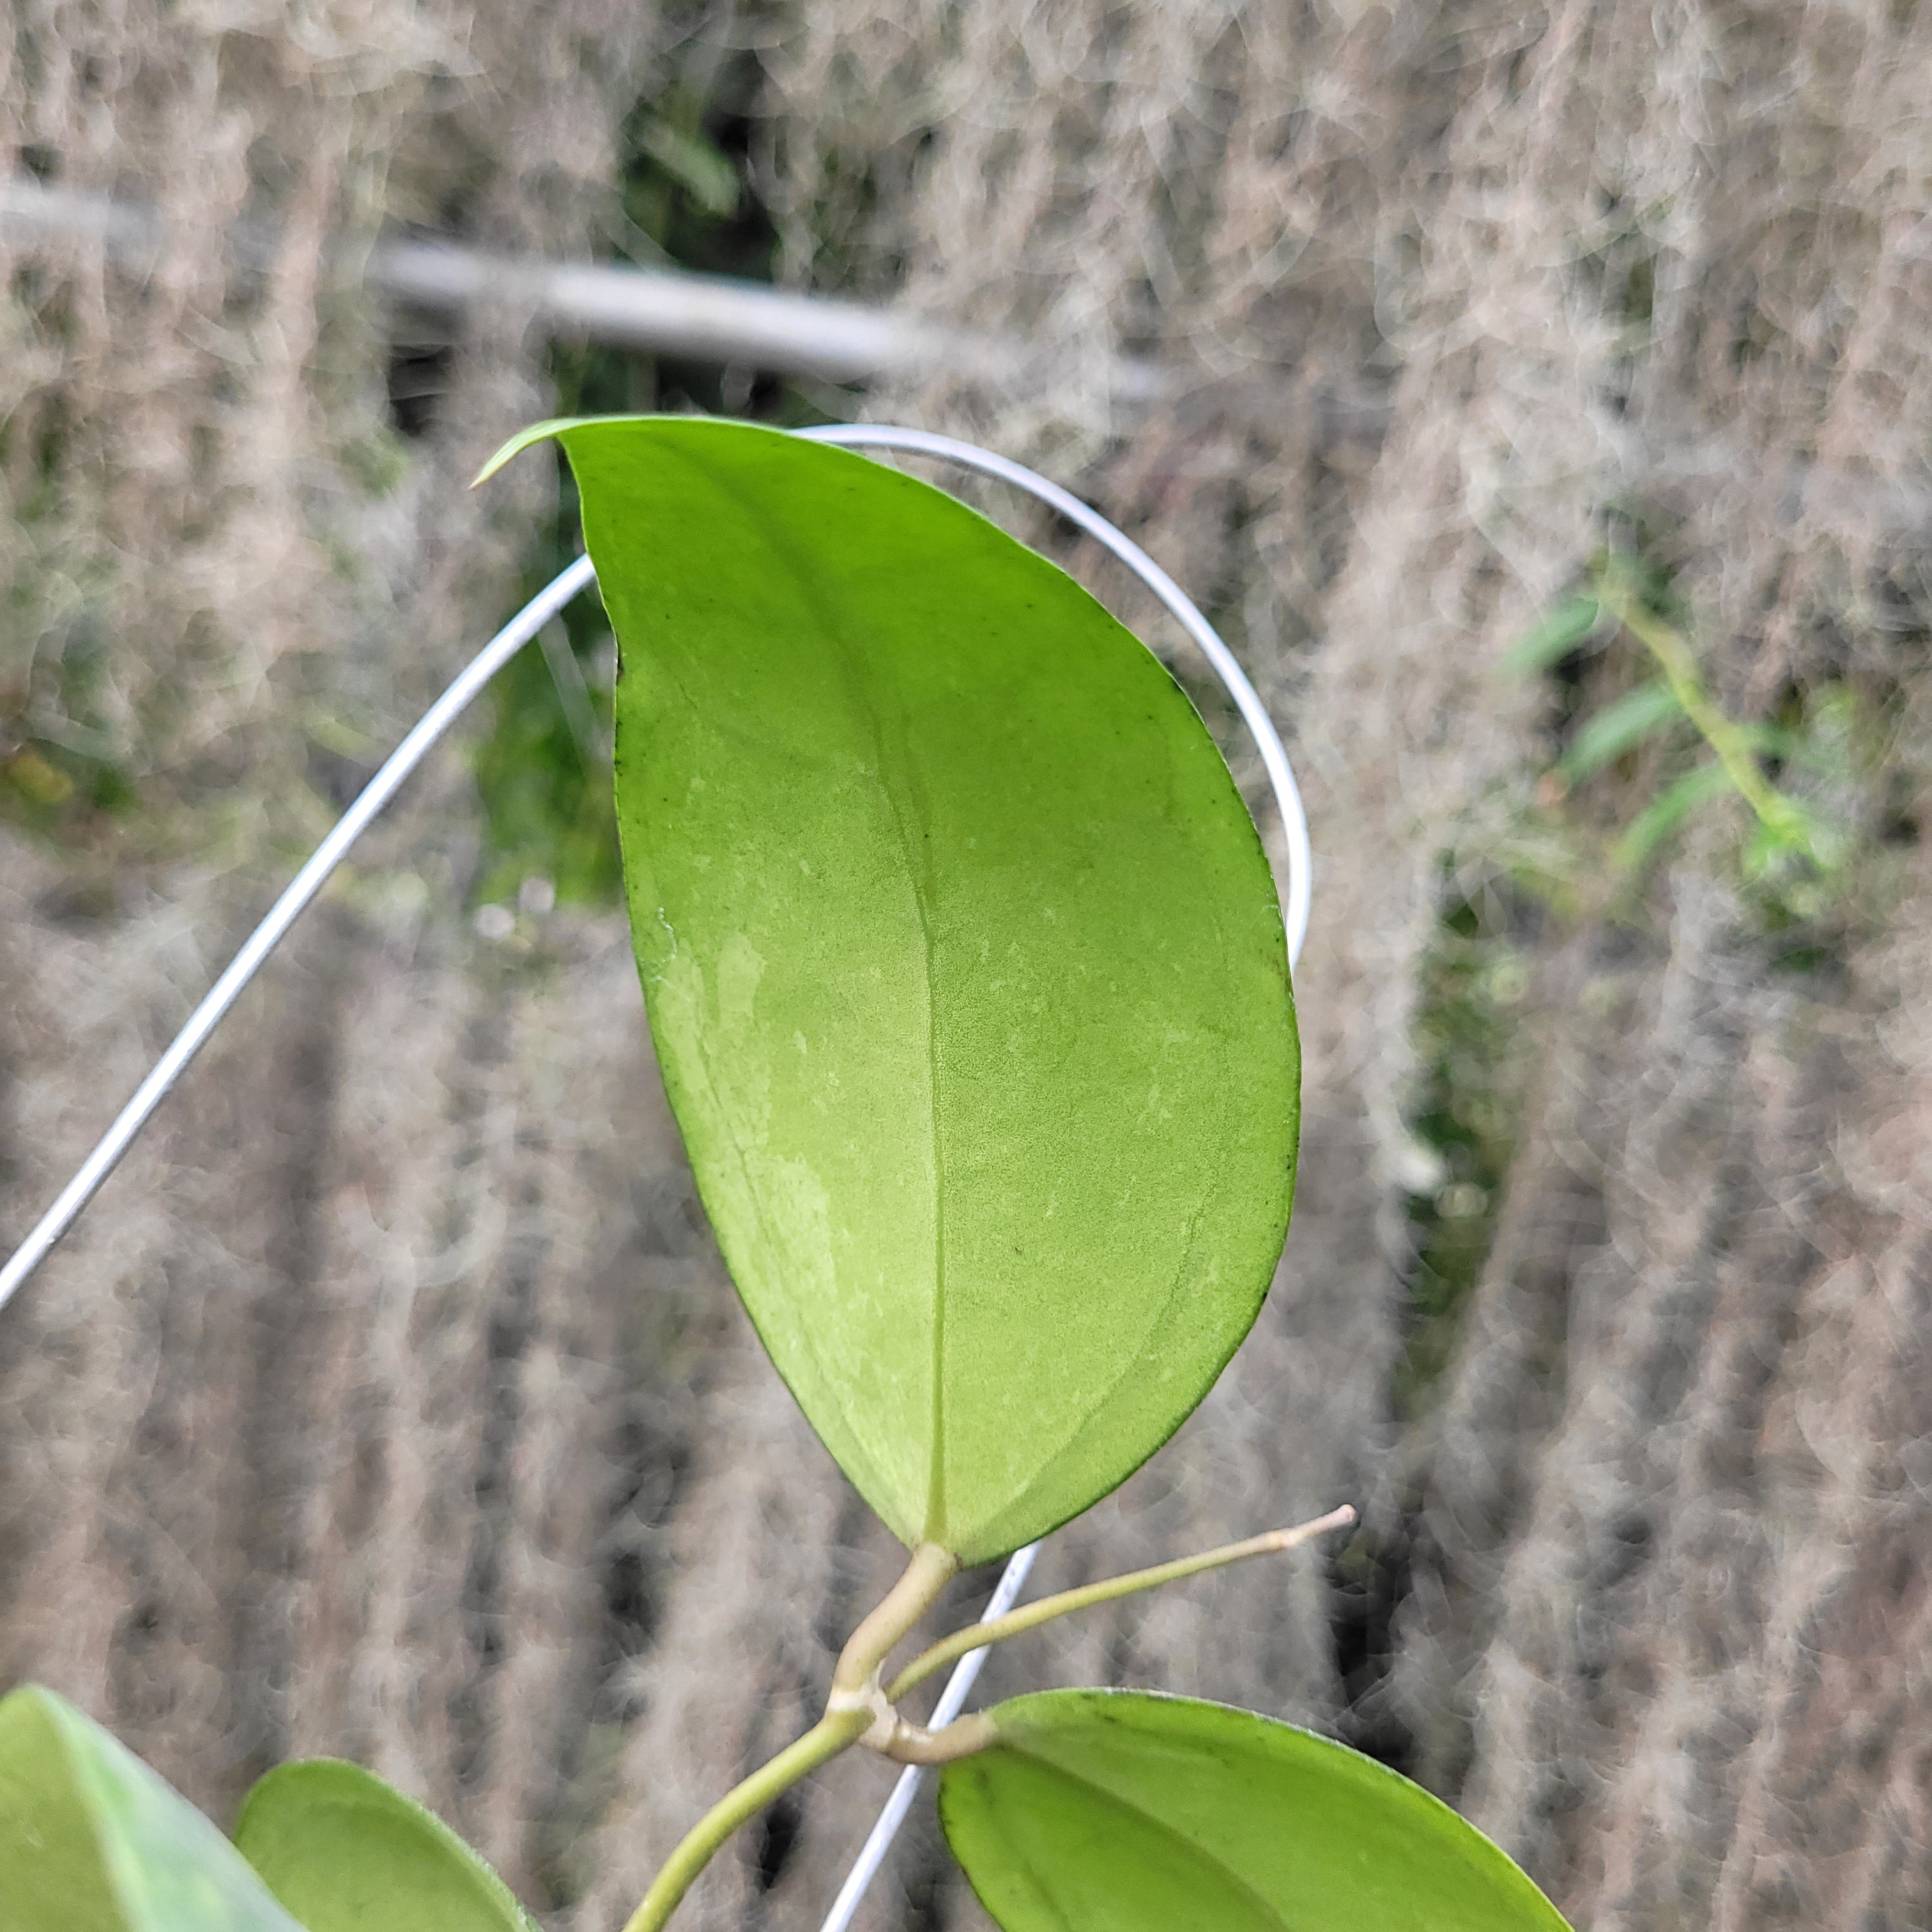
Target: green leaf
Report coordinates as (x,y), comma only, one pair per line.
(1617,727)
(964,965)
(346,1852)
(1666,811)
(92,1840)
(1561,631)
(702,169)
(1120,1811)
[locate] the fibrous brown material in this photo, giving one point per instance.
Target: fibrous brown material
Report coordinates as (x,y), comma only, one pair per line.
(392,1402)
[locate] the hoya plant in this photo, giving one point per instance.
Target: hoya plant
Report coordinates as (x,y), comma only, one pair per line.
(966,972)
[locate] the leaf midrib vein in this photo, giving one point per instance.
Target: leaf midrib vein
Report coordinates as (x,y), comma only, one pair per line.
(822,606)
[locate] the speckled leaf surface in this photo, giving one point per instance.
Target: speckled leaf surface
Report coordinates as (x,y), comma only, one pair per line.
(964,965)
(347,1852)
(1121,1811)
(93,1840)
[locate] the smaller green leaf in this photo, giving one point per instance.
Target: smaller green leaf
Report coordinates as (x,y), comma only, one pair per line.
(1767,846)
(1618,727)
(93,1840)
(1666,811)
(1120,1811)
(705,173)
(346,1852)
(1780,742)
(1558,633)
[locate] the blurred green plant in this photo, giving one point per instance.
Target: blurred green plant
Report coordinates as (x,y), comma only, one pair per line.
(1646,749)
(60,771)
(683,198)
(1789,772)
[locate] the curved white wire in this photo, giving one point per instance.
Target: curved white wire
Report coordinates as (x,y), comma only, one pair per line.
(1297,901)
(1298,897)
(260,944)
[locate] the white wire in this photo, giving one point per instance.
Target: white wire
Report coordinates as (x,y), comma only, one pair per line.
(306,883)
(952,1702)
(1298,897)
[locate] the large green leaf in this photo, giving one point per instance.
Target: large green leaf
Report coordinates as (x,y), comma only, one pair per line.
(1120,1811)
(92,1840)
(964,964)
(346,1852)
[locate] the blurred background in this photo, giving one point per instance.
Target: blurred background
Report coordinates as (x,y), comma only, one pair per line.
(1538,396)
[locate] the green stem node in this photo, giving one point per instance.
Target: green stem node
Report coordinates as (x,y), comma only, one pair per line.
(849,1715)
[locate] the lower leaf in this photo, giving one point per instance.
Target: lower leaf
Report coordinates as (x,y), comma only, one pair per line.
(93,1840)
(1121,1811)
(346,1852)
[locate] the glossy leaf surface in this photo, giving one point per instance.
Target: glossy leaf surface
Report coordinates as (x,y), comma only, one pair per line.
(1118,1811)
(93,1840)
(347,1852)
(964,964)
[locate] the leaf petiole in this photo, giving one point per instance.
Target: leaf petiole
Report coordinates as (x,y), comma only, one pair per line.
(888,1624)
(1016,1623)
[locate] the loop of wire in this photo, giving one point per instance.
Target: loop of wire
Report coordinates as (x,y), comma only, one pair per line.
(1297,898)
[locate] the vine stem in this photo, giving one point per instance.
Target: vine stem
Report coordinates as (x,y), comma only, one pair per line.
(858,1705)
(835,1731)
(1016,1623)
(1724,735)
(851,1714)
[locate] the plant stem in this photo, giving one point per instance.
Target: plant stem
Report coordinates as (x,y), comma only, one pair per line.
(1723,734)
(1017,1622)
(835,1731)
(913,1743)
(886,1627)
(852,1712)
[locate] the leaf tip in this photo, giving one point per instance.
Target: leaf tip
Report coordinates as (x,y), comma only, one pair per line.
(1339,1518)
(517,444)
